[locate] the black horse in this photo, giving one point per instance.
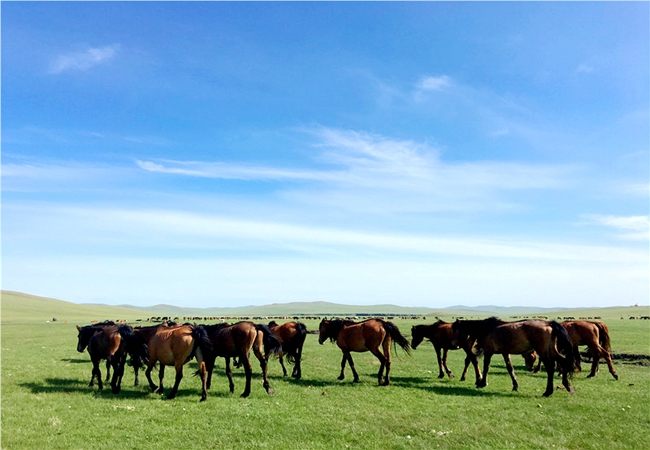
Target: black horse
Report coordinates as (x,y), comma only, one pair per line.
(113,343)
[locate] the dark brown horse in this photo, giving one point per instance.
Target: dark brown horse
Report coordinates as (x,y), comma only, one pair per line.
(371,335)
(236,341)
(111,342)
(442,337)
(544,337)
(292,337)
(593,334)
(174,346)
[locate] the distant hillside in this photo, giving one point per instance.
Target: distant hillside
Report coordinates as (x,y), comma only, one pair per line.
(285,309)
(20,307)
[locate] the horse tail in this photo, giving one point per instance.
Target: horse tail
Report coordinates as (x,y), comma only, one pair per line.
(397,337)
(563,345)
(272,344)
(135,346)
(201,340)
(603,336)
(292,352)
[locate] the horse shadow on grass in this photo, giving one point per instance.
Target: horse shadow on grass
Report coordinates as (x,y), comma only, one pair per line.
(75,386)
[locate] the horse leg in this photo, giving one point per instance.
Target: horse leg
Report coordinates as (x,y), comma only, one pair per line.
(244,359)
(539,366)
(610,366)
(549,365)
(565,383)
(147,373)
(297,372)
(343,361)
(179,376)
(108,371)
(96,374)
(577,359)
(229,374)
(511,371)
(441,374)
(209,366)
(265,370)
(486,368)
(467,363)
(161,375)
(284,369)
(595,355)
(445,352)
(382,363)
(354,371)
(118,373)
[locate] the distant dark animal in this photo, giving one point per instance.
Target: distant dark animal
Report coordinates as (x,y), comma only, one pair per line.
(595,335)
(543,337)
(236,341)
(373,335)
(292,337)
(441,336)
(113,343)
(174,346)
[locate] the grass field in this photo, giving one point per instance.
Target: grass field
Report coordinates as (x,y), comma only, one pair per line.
(46,401)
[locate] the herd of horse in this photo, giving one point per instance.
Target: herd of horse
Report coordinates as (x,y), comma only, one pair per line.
(552,343)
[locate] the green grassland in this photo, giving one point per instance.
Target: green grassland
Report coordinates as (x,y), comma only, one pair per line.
(46,401)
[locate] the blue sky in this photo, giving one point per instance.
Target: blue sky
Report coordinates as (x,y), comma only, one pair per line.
(419,154)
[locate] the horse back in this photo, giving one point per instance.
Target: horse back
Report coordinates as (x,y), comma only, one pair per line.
(363,336)
(518,338)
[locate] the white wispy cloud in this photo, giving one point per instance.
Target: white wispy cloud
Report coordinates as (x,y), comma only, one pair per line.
(83,60)
(430,83)
(385,173)
(636,228)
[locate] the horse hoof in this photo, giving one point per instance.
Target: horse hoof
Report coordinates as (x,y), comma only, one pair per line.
(203,399)
(245,394)
(615,376)
(341,378)
(356,380)
(270,391)
(442,375)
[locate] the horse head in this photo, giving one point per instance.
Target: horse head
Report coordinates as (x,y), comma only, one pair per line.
(416,336)
(83,338)
(323,329)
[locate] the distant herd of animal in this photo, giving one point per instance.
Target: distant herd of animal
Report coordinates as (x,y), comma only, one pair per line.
(172,344)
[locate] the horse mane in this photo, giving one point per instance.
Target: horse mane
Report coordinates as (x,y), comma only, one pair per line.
(273,323)
(335,326)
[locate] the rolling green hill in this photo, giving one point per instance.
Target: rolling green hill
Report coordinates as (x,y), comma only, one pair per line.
(20,307)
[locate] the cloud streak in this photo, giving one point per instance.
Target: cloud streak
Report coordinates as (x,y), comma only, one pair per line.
(83,60)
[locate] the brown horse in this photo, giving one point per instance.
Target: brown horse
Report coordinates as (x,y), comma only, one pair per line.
(441,336)
(292,337)
(541,336)
(236,341)
(111,342)
(370,335)
(174,346)
(593,334)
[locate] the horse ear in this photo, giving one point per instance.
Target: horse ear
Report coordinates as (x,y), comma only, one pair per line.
(78,328)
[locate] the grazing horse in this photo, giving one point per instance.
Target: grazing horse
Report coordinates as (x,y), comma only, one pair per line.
(110,342)
(292,337)
(236,341)
(174,346)
(441,336)
(370,335)
(543,337)
(593,334)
